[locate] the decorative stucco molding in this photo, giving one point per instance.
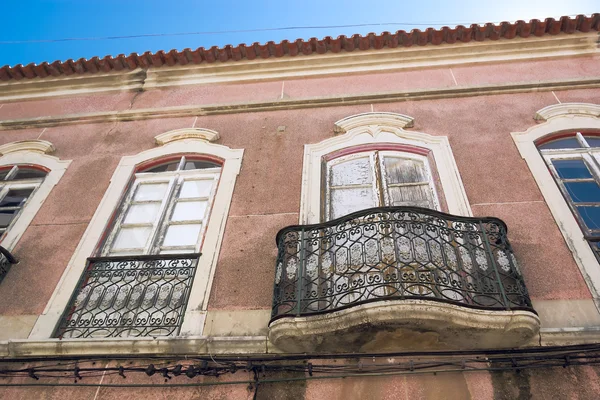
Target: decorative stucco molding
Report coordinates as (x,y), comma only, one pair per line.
(402,325)
(559,119)
(187,133)
(373,118)
(37,146)
(567,109)
(367,129)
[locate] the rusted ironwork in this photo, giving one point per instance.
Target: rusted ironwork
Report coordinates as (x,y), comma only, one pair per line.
(6,261)
(130,296)
(396,253)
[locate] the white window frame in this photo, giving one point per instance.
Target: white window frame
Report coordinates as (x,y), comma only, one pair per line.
(183,141)
(31,152)
(379,128)
(557,118)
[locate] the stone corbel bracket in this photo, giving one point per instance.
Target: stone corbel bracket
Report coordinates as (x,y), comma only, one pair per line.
(37,146)
(373,118)
(186,133)
(567,109)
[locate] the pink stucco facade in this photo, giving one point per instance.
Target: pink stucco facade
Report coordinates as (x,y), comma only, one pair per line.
(267,197)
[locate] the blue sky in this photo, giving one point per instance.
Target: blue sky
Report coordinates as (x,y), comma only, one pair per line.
(41,20)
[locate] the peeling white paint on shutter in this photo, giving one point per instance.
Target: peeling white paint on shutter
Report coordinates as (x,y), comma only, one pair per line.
(355,182)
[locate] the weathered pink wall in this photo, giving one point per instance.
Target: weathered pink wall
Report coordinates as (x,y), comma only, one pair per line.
(267,193)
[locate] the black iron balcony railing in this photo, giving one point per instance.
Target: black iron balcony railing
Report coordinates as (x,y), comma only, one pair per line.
(6,261)
(396,253)
(131,296)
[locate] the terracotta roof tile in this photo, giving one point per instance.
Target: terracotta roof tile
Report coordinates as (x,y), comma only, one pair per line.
(506,30)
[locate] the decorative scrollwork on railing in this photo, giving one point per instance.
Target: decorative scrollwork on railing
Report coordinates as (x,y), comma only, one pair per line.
(396,253)
(6,261)
(130,296)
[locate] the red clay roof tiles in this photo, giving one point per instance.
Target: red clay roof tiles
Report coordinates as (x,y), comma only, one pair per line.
(550,26)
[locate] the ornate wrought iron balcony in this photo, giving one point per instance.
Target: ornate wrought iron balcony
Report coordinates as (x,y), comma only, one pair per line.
(130,296)
(396,254)
(6,261)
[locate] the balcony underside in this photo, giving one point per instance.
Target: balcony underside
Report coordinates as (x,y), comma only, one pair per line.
(397,325)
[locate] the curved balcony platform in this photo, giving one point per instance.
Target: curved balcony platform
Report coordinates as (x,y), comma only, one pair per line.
(399,278)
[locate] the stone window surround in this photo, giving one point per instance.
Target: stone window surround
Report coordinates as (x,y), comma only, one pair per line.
(32,152)
(382,128)
(181,141)
(559,118)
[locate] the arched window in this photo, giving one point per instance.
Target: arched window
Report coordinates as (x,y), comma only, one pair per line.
(375,162)
(27,175)
(17,185)
(562,155)
(166,208)
(573,158)
(138,271)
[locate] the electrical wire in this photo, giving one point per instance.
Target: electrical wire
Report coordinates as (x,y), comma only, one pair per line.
(508,360)
(286,28)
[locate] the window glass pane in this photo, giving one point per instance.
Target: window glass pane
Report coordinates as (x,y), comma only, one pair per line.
(28,173)
(199,165)
(132,238)
(182,235)
(150,191)
(590,216)
(347,200)
(142,213)
(352,172)
(418,196)
(191,189)
(583,192)
(571,169)
(402,170)
(15,197)
(189,210)
(172,166)
(567,143)
(3,173)
(593,141)
(6,217)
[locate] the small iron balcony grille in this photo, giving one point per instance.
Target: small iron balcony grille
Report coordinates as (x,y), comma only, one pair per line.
(6,261)
(396,253)
(130,296)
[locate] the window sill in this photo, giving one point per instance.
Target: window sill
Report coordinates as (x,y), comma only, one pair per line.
(130,346)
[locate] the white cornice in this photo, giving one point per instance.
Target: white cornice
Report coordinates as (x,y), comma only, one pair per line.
(186,133)
(564,109)
(429,56)
(37,146)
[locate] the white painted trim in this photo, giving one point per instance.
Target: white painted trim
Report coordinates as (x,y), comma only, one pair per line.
(375,130)
(186,133)
(560,119)
(38,146)
(23,154)
(196,308)
(567,109)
